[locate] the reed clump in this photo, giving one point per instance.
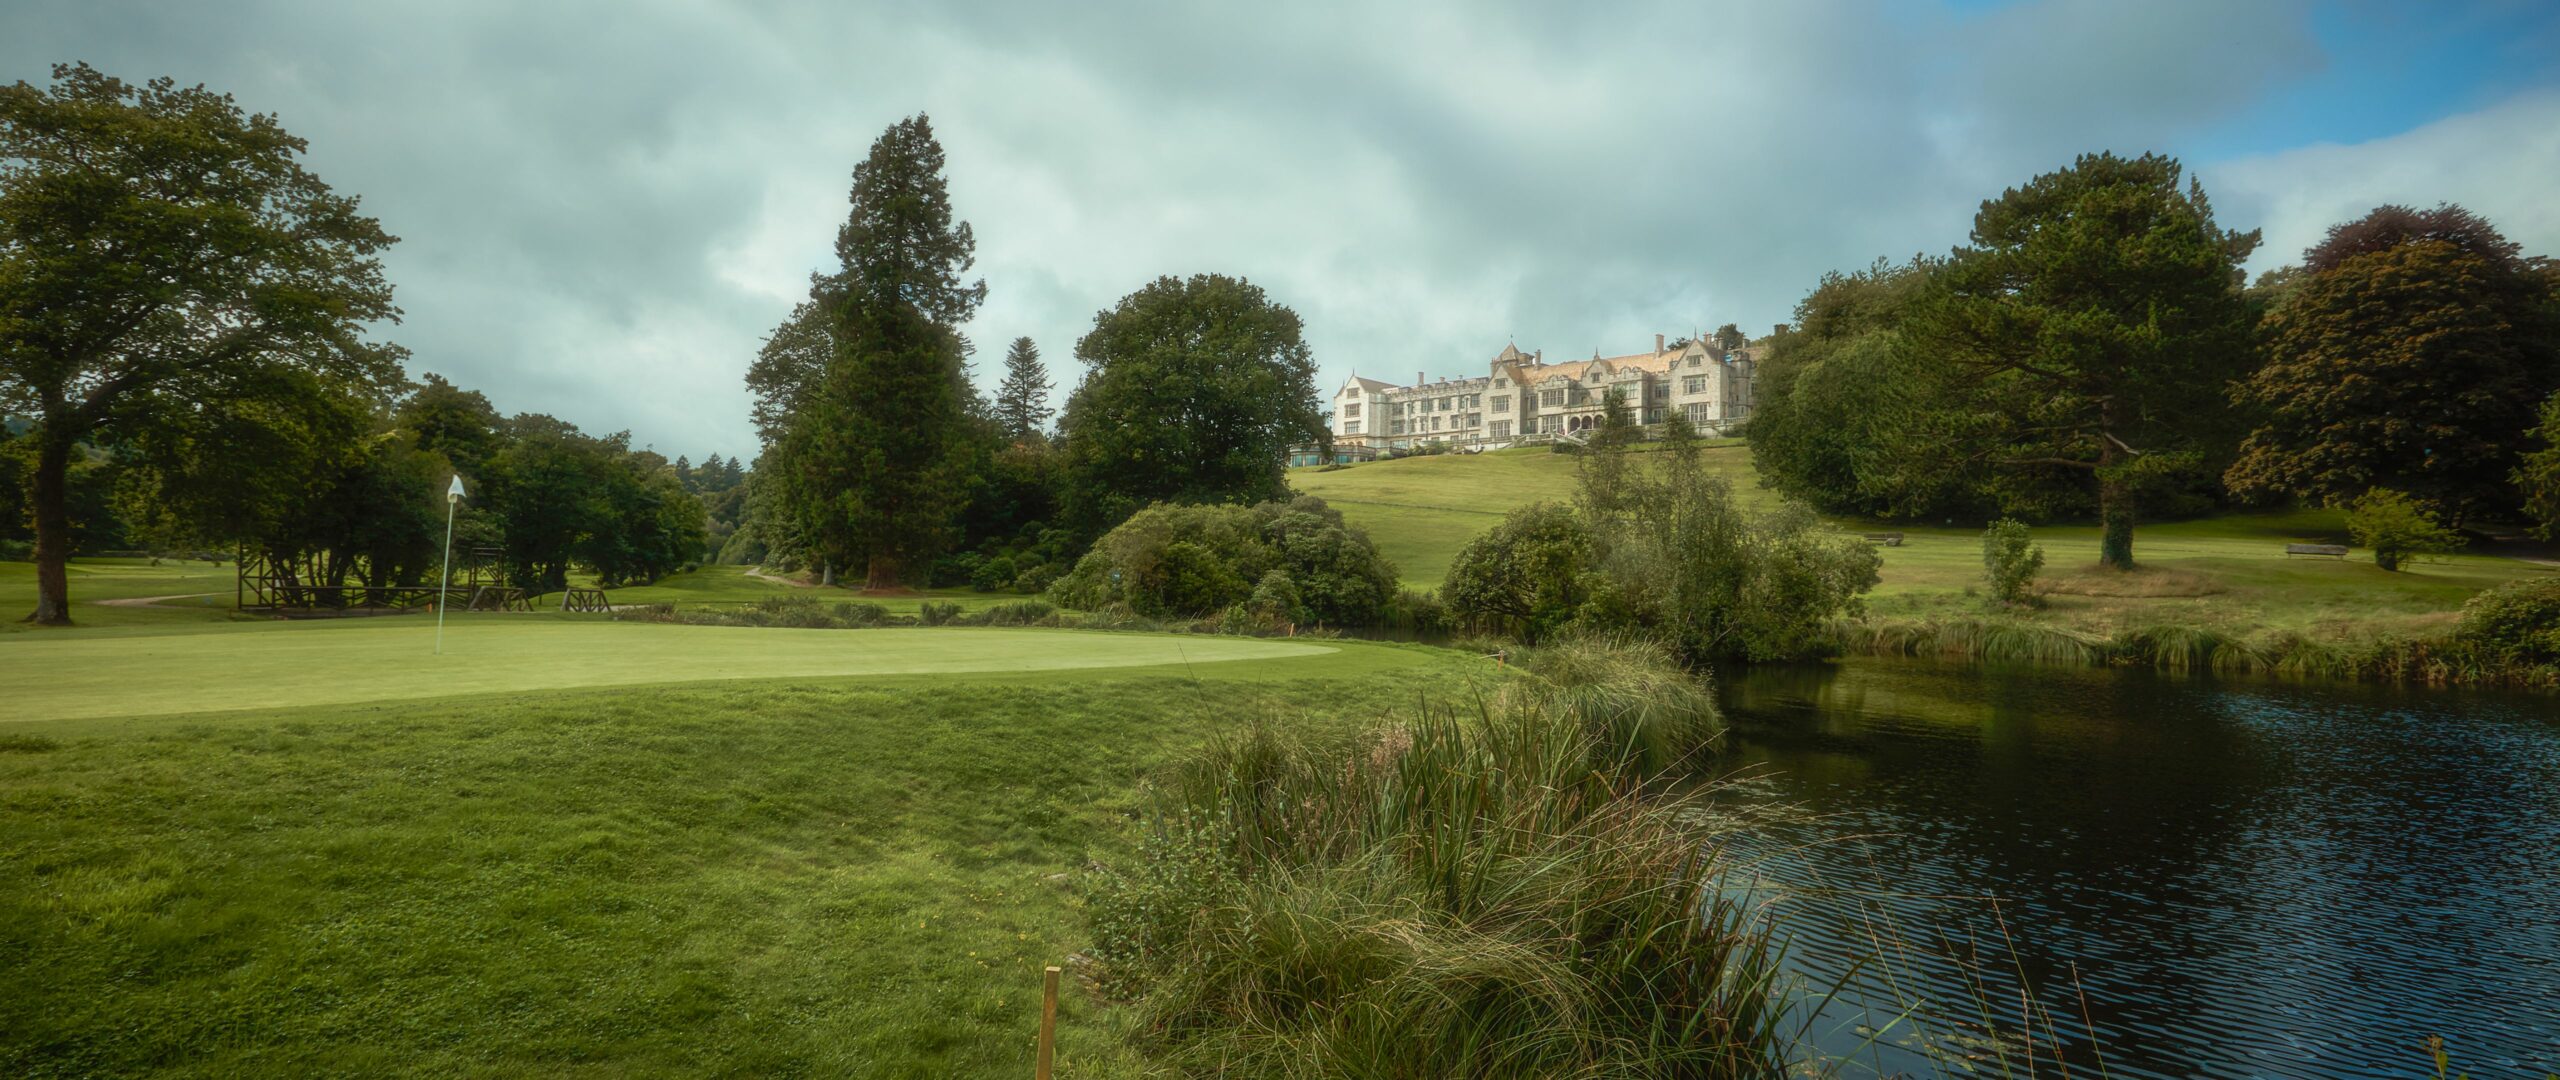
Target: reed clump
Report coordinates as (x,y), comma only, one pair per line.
(1473,892)
(2442,660)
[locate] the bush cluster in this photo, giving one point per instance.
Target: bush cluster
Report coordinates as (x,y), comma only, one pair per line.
(2518,622)
(1675,560)
(2010,560)
(1294,562)
(2397,528)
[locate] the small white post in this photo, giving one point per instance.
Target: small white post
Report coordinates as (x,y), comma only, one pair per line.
(444,588)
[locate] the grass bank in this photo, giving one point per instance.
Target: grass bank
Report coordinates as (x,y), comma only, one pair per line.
(2223,580)
(857,875)
(1488,890)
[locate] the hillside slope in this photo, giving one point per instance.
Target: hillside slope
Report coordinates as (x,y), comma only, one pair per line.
(2225,572)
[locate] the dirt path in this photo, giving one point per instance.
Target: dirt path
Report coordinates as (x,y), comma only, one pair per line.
(151,601)
(758,573)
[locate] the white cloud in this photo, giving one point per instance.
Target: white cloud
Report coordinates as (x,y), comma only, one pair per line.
(606,206)
(2502,162)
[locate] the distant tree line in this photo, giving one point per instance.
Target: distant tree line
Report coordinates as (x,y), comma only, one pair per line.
(2095,352)
(881,457)
(185,365)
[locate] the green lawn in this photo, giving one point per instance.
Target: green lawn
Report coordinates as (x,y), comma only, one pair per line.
(2227,572)
(1421,510)
(105,673)
(806,874)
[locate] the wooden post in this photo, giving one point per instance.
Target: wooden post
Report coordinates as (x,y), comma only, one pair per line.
(1048,1021)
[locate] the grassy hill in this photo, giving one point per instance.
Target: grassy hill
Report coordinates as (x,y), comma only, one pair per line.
(2226,573)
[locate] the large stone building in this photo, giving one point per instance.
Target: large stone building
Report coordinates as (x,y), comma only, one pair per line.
(1522,398)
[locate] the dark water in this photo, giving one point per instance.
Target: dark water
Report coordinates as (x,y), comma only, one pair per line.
(2241,879)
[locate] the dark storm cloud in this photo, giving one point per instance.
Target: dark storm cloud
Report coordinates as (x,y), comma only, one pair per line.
(604,207)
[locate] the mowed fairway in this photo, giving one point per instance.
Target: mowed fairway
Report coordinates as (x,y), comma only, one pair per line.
(338,662)
(851,856)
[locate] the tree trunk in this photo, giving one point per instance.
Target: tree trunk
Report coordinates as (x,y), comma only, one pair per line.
(827,573)
(882,575)
(53,531)
(2115,497)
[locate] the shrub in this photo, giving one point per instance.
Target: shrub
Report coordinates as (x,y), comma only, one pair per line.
(2397,529)
(2010,560)
(2517,623)
(932,613)
(1275,596)
(1015,613)
(953,570)
(799,612)
(861,613)
(1526,576)
(17,550)
(1175,562)
(1036,578)
(994,574)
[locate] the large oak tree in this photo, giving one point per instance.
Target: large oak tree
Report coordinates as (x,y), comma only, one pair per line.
(164,254)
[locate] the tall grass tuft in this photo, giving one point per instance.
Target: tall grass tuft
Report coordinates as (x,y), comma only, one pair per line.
(1629,695)
(2445,660)
(1466,894)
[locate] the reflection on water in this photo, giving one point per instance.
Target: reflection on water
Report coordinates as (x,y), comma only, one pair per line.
(2242,879)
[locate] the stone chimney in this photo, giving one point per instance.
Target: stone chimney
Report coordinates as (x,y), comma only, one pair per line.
(1417,378)
(1657,344)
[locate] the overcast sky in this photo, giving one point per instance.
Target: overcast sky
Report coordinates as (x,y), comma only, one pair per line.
(604,207)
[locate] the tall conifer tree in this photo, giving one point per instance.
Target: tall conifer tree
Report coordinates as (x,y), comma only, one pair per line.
(1022,401)
(870,407)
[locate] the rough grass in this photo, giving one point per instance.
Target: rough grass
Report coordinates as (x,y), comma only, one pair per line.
(1477,891)
(779,878)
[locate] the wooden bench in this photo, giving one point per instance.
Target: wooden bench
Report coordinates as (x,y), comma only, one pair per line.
(1893,539)
(2334,551)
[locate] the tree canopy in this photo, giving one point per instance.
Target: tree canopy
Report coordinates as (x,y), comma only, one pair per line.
(1022,400)
(1193,392)
(2409,354)
(862,394)
(2093,324)
(165,259)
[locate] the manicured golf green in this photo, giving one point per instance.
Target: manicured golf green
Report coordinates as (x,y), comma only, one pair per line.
(342,661)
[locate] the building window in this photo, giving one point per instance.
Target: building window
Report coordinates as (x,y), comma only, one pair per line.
(1578,396)
(1502,403)
(1653,416)
(1660,390)
(1444,404)
(1693,384)
(1351,427)
(1501,382)
(1550,398)
(1502,429)
(1399,428)
(1351,411)
(1699,413)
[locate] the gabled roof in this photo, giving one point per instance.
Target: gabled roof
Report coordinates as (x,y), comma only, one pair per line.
(1371,385)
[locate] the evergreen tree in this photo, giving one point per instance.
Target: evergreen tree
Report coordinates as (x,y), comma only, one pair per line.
(1022,402)
(2094,322)
(1729,337)
(864,387)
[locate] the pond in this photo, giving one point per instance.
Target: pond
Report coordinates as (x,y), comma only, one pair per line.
(2195,877)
